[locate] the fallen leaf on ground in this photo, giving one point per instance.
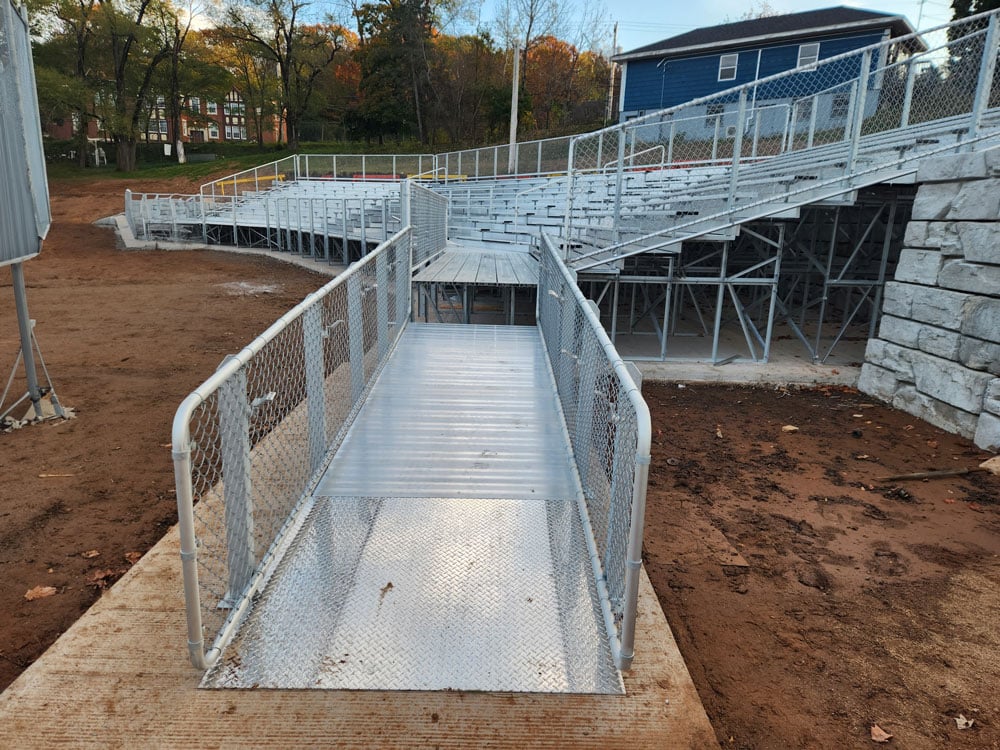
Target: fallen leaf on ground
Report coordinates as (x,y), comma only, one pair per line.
(90,553)
(950,500)
(962,723)
(975,507)
(101,578)
(879,734)
(133,557)
(718,430)
(932,443)
(789,428)
(992,465)
(40,592)
(862,456)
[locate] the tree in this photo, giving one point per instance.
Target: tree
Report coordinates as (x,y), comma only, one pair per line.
(300,52)
(965,8)
(251,70)
(467,80)
(395,59)
(63,64)
(134,43)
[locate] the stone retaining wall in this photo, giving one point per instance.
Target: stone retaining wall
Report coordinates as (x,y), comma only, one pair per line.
(937,354)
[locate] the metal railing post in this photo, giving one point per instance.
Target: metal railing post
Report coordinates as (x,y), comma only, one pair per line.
(345,247)
(904,117)
(741,113)
(403,262)
(987,70)
(315,365)
(859,109)
(234,441)
(382,303)
(568,221)
(356,336)
(619,176)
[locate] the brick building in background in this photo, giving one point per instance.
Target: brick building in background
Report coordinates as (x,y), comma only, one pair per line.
(202,121)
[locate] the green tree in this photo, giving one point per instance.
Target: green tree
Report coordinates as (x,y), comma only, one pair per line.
(301,52)
(395,59)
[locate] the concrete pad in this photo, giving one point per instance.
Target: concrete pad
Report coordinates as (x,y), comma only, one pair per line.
(120,678)
(783,372)
(128,241)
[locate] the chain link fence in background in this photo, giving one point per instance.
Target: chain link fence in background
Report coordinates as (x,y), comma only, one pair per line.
(250,442)
(609,428)
(881,106)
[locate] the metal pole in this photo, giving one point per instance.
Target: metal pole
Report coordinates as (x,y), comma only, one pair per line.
(774,293)
(904,118)
(24,328)
(511,158)
(619,175)
(859,111)
(741,114)
(987,69)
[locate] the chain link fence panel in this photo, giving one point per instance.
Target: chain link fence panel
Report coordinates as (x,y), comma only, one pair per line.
(428,216)
(609,428)
(251,442)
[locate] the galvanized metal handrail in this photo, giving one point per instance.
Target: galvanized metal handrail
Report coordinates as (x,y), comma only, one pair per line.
(609,428)
(214,421)
(872,65)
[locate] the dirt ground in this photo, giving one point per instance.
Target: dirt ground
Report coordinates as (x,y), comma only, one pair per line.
(810,599)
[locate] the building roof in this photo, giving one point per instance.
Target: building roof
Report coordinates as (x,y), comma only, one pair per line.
(771,29)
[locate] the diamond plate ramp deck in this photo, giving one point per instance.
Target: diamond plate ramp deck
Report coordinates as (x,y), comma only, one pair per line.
(444,550)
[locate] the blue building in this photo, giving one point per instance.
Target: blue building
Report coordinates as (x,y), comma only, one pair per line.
(710,60)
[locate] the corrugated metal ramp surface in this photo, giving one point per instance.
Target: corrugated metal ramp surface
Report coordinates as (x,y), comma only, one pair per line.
(460,411)
(444,550)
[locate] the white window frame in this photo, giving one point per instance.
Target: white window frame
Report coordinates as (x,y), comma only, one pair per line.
(840,101)
(213,132)
(713,112)
(808,55)
(728,64)
(211,108)
(194,103)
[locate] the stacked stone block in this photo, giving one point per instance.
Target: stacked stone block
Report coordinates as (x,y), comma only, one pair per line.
(937,354)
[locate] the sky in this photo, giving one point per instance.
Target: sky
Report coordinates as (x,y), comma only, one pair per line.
(644,22)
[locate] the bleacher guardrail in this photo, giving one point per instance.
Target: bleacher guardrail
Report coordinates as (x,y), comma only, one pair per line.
(609,428)
(847,111)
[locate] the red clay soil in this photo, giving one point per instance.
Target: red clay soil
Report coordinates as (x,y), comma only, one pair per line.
(810,599)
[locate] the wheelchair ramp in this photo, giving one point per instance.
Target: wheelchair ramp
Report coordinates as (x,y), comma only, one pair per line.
(444,548)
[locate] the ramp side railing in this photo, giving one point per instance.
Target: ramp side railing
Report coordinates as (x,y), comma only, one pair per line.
(853,113)
(609,428)
(250,443)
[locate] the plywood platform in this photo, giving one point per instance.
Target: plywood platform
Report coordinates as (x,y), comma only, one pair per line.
(120,678)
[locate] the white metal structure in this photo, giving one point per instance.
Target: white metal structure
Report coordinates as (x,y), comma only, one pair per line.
(24,206)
